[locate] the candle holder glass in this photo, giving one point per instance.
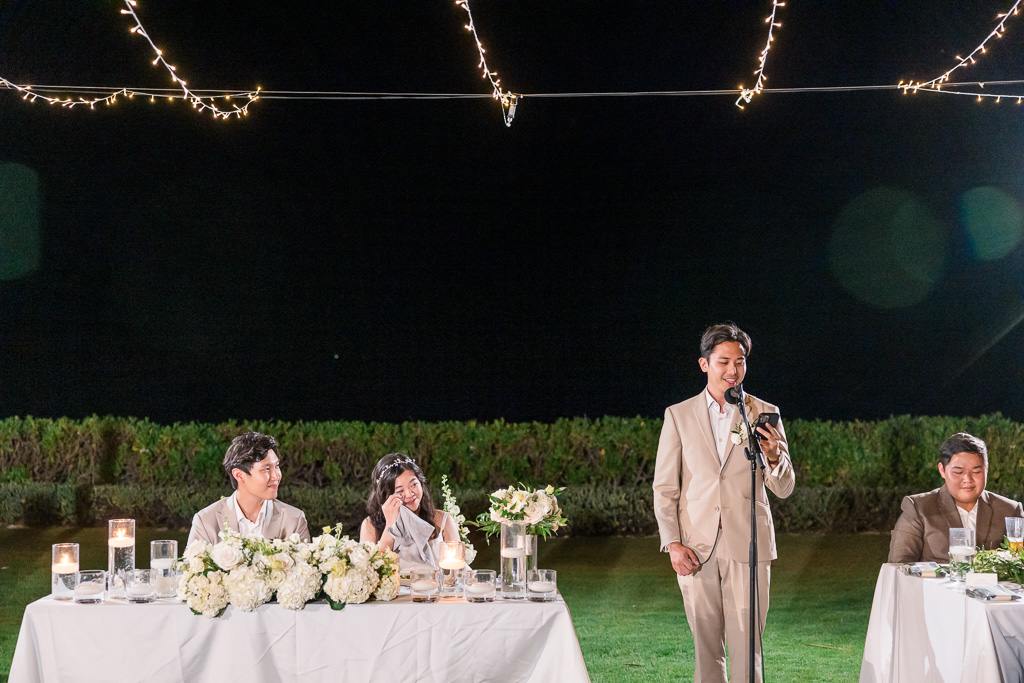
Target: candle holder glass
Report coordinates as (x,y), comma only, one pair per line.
(513,560)
(64,571)
(453,569)
(424,584)
(140,585)
(92,587)
(542,585)
(480,585)
(120,554)
(163,555)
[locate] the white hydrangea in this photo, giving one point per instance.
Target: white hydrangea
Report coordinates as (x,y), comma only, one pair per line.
(246,588)
(355,586)
(388,588)
(301,584)
(205,593)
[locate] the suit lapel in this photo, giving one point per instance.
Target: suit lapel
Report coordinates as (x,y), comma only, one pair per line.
(984,520)
(229,514)
(700,410)
(949,512)
(737,419)
(272,529)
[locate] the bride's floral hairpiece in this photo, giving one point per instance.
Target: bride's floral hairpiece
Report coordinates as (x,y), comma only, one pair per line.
(397,463)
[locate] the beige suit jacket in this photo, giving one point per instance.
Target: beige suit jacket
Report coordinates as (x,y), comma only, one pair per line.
(284,521)
(694,492)
(921,533)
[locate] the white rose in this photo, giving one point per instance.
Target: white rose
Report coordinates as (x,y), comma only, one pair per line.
(196,547)
(226,556)
(196,565)
(295,538)
(281,562)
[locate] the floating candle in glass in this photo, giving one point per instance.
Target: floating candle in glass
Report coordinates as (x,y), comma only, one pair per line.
(64,571)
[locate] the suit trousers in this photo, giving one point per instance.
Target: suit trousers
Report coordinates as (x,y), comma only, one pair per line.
(716,600)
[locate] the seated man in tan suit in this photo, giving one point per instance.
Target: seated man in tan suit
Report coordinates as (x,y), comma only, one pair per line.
(254,469)
(922,531)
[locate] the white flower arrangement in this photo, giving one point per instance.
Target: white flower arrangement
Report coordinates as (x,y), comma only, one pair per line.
(249,571)
(353,572)
(451,506)
(201,584)
(537,507)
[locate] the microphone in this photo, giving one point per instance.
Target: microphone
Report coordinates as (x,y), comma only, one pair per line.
(734,394)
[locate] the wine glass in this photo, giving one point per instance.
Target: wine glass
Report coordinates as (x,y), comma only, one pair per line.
(961,552)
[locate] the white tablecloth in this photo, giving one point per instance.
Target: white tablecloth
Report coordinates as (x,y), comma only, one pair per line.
(924,630)
(396,641)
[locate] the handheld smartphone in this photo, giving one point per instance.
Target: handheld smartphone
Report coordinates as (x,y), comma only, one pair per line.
(763,419)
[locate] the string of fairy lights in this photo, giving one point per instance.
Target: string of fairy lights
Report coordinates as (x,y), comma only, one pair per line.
(205,100)
(935,84)
(508,100)
(202,103)
(747,94)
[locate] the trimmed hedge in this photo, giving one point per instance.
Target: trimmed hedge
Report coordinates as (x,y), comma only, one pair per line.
(850,475)
(592,511)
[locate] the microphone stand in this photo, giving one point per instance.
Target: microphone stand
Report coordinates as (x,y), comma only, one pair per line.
(756,458)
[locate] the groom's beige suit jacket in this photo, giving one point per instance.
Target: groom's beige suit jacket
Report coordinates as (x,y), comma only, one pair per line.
(284,521)
(696,495)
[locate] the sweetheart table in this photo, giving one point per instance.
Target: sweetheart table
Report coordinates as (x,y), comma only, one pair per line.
(376,641)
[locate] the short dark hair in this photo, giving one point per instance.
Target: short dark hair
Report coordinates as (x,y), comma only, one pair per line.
(962,442)
(246,449)
(721,333)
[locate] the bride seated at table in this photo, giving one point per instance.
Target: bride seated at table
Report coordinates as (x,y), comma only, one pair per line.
(402,516)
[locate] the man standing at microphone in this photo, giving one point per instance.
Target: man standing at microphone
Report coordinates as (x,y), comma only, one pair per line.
(702,503)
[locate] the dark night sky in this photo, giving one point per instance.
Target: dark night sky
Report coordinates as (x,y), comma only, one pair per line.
(193,269)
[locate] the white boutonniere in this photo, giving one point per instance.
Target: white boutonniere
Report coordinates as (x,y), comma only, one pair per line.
(739,433)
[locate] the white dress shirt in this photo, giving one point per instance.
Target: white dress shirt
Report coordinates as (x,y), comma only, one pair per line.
(722,422)
(969,519)
(247,528)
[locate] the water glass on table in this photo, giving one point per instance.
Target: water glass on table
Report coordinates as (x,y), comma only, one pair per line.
(1015,533)
(961,553)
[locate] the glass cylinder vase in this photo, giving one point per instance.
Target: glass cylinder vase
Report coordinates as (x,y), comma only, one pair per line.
(64,571)
(513,560)
(531,552)
(120,554)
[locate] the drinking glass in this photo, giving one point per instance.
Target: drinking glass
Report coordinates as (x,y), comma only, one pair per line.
(1015,533)
(961,553)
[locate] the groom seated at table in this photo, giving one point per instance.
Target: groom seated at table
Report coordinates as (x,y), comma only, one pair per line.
(254,469)
(922,531)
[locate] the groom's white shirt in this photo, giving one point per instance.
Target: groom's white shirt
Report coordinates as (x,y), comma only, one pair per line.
(247,528)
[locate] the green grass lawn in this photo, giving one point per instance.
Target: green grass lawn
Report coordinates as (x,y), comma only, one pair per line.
(623,596)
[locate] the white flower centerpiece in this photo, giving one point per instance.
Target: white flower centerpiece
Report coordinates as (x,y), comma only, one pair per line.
(538,508)
(249,571)
(451,506)
(353,572)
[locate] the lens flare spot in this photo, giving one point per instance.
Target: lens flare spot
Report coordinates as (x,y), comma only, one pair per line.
(888,249)
(992,221)
(20,242)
